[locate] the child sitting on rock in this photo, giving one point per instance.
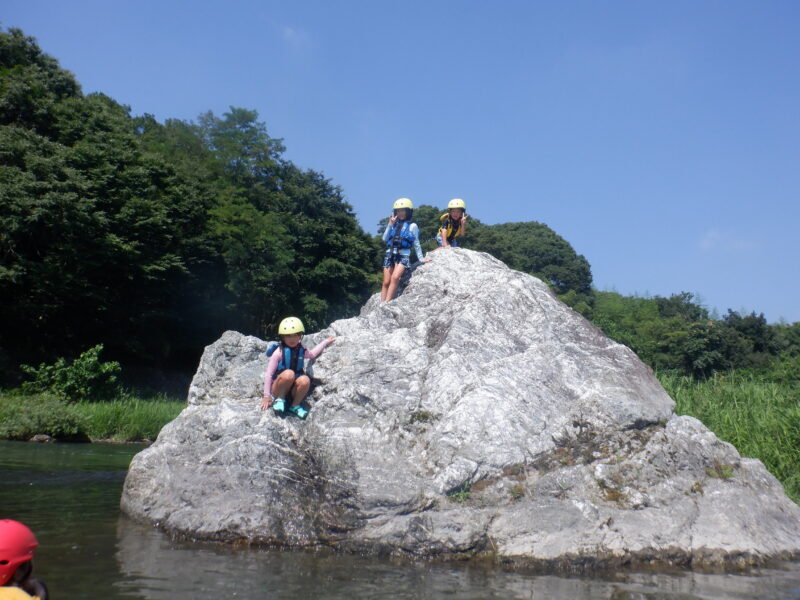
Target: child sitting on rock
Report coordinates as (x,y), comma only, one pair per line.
(400,236)
(17,544)
(285,378)
(453,224)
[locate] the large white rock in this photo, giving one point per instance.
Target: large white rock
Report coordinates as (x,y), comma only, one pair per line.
(474,414)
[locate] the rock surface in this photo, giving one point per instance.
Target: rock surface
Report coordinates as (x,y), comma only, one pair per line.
(475,414)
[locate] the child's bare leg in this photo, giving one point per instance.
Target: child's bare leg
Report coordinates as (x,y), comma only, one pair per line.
(282,384)
(300,389)
(397,273)
(387,278)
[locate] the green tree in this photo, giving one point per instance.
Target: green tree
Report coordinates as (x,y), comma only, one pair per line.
(536,249)
(754,328)
(297,247)
(31,84)
(710,347)
(90,227)
(152,238)
(683,306)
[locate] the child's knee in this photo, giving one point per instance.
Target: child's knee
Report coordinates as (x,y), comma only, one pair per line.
(303,381)
(287,376)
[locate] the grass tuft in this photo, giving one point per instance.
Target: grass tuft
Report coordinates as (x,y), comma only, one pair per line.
(460,494)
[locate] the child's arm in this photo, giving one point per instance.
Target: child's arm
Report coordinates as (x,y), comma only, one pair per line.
(443,234)
(463,226)
(272,366)
(388,227)
(414,230)
(319,348)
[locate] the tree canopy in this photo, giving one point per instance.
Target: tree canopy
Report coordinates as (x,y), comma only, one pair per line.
(153,238)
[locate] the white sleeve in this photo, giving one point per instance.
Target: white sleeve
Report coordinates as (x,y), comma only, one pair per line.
(417,246)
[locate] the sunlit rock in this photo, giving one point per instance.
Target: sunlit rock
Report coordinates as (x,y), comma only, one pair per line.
(475,414)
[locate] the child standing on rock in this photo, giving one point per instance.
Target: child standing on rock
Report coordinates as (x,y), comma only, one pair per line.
(286,379)
(400,236)
(17,544)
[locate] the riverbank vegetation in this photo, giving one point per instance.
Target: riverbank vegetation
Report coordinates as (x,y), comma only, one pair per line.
(82,400)
(146,240)
(127,419)
(758,412)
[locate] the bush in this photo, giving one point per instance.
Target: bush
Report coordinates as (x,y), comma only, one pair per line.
(22,417)
(86,378)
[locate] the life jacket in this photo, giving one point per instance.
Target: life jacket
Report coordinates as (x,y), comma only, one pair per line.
(453,227)
(291,358)
(400,237)
(15,593)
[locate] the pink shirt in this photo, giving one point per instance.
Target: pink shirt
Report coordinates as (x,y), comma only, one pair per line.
(272,365)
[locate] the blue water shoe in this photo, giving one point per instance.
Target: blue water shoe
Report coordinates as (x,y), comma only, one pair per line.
(299,411)
(279,406)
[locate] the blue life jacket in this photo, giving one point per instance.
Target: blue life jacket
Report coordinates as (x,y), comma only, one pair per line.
(400,237)
(292,358)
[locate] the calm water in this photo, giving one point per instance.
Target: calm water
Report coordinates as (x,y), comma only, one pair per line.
(69,495)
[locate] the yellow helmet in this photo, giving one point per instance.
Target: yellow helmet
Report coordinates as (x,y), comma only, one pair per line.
(403,203)
(291,325)
(456,203)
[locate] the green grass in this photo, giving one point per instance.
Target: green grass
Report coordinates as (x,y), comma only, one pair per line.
(131,419)
(460,494)
(127,419)
(760,417)
(23,416)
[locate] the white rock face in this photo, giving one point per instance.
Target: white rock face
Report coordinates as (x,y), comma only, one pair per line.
(473,414)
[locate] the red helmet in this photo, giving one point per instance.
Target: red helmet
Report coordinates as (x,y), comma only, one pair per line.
(17,544)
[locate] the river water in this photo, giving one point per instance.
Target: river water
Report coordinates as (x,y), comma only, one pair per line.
(69,495)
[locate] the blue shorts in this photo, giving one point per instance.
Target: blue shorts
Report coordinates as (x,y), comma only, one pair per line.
(453,242)
(390,259)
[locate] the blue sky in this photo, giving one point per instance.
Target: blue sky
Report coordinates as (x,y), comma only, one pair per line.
(661,139)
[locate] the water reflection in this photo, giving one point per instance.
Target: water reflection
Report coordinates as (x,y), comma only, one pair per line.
(69,495)
(158,568)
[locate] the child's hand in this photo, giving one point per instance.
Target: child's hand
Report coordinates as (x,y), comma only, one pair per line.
(427,260)
(392,219)
(331,339)
(464,218)
(265,403)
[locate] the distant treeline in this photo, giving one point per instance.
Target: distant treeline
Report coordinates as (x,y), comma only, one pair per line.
(678,334)
(153,238)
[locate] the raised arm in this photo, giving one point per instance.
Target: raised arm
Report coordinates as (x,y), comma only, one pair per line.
(319,348)
(389,224)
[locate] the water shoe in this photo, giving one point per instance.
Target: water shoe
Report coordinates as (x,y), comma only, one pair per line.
(299,411)
(279,406)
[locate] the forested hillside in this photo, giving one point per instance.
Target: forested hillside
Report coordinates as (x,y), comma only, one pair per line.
(153,238)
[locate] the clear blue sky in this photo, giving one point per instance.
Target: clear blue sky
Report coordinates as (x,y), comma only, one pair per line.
(661,139)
